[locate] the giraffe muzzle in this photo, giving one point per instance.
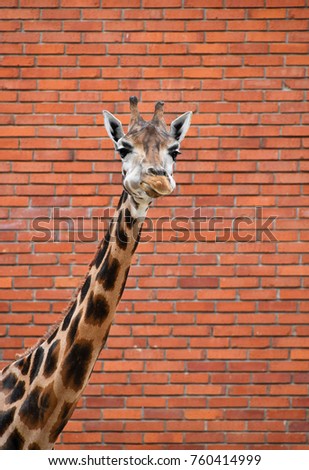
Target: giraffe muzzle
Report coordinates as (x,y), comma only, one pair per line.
(156,186)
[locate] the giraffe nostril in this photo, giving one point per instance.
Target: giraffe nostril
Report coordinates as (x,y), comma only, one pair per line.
(156,171)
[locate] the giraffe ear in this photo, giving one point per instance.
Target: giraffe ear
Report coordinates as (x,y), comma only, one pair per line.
(180,126)
(113,126)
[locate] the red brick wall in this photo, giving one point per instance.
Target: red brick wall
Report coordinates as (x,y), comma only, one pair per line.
(210,343)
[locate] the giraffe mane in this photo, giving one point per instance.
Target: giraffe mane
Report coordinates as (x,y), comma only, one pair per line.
(52,328)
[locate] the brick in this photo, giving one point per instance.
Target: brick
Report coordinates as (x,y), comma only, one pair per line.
(67,37)
(163,438)
(45,49)
(158,4)
(286,438)
(37,4)
(201,438)
(126,49)
(42,26)
(266,36)
(250,48)
(80,3)
(20,37)
(163,414)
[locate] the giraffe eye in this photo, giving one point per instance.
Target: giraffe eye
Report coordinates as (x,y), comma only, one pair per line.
(174,154)
(123,152)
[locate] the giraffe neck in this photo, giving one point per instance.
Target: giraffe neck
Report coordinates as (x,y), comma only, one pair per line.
(39,392)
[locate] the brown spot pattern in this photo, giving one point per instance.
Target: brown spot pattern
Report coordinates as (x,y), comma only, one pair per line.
(50,364)
(97,309)
(63,417)
(108,273)
(6,418)
(76,366)
(38,407)
(15,441)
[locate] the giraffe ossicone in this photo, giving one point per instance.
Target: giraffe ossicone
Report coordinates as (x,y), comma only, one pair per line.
(39,391)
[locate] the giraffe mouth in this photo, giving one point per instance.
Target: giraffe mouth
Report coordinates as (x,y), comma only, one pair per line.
(156,186)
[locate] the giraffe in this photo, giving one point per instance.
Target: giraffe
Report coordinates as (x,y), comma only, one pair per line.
(39,391)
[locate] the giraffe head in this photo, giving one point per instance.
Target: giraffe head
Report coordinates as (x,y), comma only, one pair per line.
(148,151)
